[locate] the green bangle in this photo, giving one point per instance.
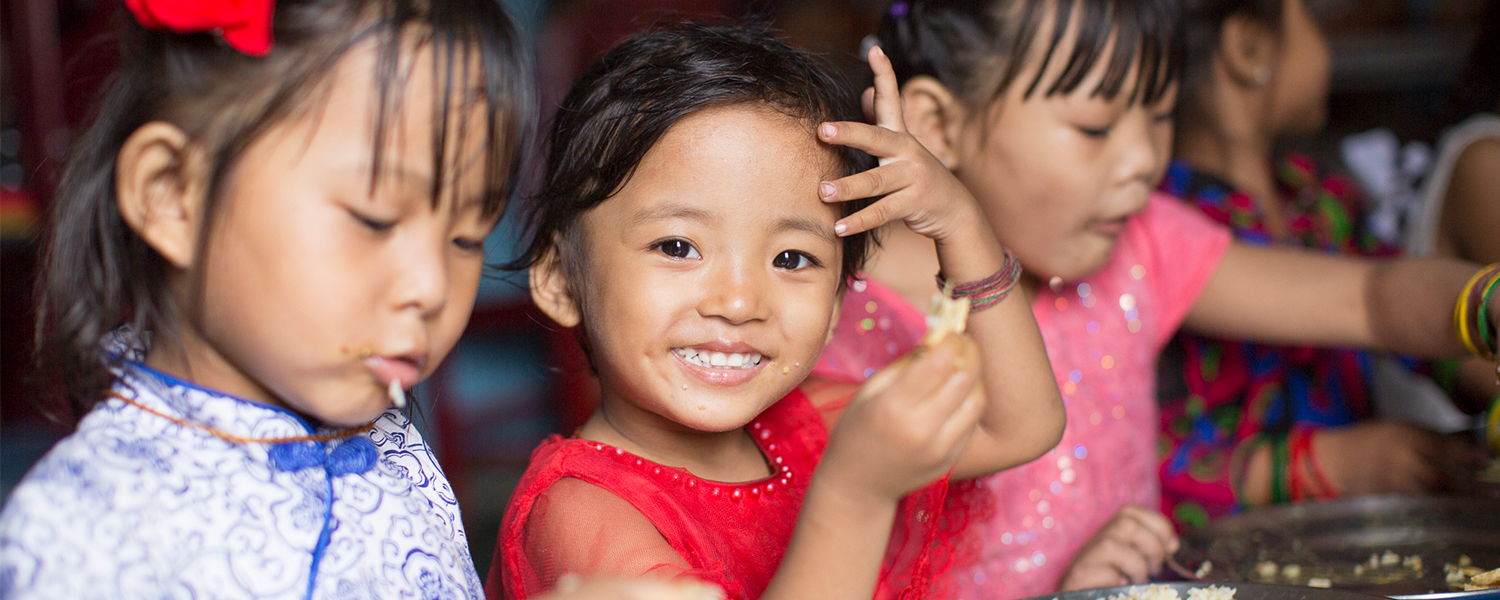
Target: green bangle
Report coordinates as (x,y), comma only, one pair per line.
(1279,451)
(1485,335)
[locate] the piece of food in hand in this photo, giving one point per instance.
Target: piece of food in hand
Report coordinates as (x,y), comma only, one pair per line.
(948,315)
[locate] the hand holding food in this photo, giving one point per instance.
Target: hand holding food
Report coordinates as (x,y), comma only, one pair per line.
(908,422)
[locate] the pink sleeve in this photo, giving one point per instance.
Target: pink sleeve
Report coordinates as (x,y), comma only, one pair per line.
(1182,248)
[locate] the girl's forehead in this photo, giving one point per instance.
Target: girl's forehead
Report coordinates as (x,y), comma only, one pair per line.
(746,160)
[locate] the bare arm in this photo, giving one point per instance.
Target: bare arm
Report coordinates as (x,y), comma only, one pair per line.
(1286,296)
(1023,414)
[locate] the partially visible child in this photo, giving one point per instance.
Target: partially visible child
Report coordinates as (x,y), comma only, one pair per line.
(689,225)
(272,230)
(1258,71)
(1057,116)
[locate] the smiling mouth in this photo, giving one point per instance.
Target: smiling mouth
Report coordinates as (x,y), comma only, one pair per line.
(719,360)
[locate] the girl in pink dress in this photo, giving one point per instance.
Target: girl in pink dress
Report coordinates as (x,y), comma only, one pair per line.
(687,225)
(1056,114)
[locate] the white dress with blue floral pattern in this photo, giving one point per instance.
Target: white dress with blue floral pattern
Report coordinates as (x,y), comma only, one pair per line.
(133,505)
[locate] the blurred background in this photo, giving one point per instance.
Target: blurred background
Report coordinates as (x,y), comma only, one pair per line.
(514,379)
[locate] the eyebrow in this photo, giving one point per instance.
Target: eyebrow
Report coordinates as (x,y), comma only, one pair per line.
(671,212)
(808,225)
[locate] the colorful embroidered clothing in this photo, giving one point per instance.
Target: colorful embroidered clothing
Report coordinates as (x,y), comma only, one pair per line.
(590,508)
(1217,395)
(1103,334)
(133,505)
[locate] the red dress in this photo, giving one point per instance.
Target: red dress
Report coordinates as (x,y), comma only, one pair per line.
(590,508)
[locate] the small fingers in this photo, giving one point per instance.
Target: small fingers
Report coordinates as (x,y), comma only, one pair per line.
(871,217)
(877,141)
(1124,558)
(1091,577)
(868,184)
(1157,524)
(887,92)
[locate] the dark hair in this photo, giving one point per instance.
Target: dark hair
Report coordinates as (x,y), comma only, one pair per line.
(97,275)
(1203,23)
(978,48)
(627,100)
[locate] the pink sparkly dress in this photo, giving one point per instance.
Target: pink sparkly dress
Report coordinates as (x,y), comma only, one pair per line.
(1103,334)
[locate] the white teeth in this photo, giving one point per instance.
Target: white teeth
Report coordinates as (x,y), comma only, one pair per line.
(719,360)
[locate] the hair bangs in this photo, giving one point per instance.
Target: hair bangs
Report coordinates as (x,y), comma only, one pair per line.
(479,72)
(1132,38)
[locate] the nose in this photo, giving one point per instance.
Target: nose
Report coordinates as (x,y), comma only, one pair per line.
(1142,149)
(422,278)
(735,293)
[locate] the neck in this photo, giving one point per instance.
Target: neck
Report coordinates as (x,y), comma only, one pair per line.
(189,358)
(727,456)
(1240,155)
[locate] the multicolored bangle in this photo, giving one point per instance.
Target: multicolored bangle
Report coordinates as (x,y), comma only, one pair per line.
(1279,472)
(1471,313)
(1305,465)
(1492,429)
(991,290)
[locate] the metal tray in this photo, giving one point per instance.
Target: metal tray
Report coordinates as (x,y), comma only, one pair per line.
(1328,539)
(1243,591)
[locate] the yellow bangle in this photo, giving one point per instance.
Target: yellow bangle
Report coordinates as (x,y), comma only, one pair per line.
(1461,313)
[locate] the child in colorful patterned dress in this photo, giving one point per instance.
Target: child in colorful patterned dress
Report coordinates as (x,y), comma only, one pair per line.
(682,229)
(1258,71)
(1057,116)
(273,229)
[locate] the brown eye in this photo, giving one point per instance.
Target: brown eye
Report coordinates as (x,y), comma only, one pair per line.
(793,260)
(678,249)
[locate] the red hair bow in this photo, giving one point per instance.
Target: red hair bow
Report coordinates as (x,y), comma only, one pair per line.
(244,24)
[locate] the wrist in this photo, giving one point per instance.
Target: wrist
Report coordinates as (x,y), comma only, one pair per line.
(970,253)
(852,500)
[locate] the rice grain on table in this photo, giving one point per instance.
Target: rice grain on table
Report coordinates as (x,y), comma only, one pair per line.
(1162,592)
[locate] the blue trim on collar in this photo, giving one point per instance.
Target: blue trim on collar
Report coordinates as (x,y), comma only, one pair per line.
(173,381)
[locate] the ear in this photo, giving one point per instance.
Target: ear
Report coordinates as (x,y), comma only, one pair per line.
(934,116)
(159,184)
(549,289)
(1247,50)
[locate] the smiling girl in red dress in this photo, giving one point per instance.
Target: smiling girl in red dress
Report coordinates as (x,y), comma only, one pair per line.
(681,227)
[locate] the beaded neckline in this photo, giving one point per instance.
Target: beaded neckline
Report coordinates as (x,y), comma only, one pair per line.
(781,475)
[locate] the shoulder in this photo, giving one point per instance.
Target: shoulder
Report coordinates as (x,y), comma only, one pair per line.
(575,526)
(92,510)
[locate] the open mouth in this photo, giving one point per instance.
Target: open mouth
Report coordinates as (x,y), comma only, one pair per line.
(719,360)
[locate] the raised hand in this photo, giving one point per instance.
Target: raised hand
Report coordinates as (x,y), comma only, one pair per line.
(918,188)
